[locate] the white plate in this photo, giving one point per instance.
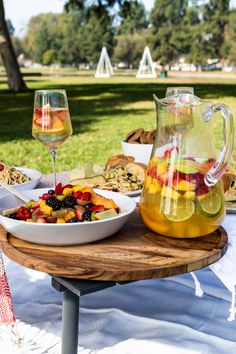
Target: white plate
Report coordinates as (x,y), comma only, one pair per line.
(230,210)
(133,193)
(66,234)
(230,207)
(34,176)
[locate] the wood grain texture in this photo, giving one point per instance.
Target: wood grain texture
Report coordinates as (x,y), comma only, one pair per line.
(133,253)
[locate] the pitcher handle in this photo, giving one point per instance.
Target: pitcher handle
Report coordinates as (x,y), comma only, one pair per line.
(219,167)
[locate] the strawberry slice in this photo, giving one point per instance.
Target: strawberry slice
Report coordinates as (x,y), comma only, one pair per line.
(86,196)
(46,196)
(168,152)
(23,213)
(38,111)
(68,186)
(202,189)
(79,212)
(43,120)
(208,165)
(198,178)
(62,114)
(41,220)
(77,194)
(97,208)
(152,171)
(167,177)
(59,189)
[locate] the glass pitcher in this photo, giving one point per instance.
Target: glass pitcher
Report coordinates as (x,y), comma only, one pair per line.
(183,194)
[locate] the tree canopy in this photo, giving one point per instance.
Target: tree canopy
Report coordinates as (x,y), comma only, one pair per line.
(192,29)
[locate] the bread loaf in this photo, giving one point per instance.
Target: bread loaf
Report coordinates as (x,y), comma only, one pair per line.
(141,136)
(118,160)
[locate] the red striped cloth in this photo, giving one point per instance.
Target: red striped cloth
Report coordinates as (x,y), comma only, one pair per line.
(7,316)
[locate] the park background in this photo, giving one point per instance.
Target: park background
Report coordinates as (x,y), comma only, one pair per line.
(193,40)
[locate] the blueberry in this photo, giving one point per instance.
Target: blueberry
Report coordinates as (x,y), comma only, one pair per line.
(14,216)
(73,220)
(51,191)
(90,205)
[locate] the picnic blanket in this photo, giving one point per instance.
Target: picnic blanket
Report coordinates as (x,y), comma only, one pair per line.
(152,316)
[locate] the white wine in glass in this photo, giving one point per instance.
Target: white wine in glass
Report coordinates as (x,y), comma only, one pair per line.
(51,121)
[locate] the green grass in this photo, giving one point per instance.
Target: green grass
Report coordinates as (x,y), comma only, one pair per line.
(102,112)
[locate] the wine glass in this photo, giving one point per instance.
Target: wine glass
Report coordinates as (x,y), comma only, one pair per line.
(170,91)
(51,121)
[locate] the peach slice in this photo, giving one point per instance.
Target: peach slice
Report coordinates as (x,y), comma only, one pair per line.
(186,186)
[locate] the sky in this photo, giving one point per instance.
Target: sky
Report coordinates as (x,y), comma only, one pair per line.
(20,11)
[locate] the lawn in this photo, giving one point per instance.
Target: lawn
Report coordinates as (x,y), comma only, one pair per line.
(102,112)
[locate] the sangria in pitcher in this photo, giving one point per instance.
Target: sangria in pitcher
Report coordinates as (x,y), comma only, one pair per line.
(182,194)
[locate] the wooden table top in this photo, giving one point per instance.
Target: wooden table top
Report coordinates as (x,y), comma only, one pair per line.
(133,253)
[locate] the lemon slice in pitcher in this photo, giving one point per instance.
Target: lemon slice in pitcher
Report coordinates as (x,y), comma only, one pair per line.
(177,211)
(210,204)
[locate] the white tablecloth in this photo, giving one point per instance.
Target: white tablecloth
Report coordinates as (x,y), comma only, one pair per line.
(152,316)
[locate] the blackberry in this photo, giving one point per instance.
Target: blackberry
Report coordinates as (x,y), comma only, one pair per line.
(14,216)
(54,203)
(69,201)
(86,216)
(88,206)
(51,191)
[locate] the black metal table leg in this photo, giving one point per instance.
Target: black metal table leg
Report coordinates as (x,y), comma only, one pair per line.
(73,289)
(70,323)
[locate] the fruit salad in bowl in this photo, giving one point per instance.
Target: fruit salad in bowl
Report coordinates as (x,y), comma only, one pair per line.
(68,204)
(65,215)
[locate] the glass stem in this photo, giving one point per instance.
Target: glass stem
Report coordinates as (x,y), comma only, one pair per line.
(54,153)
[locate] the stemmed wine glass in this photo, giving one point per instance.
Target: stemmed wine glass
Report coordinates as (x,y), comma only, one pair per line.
(51,121)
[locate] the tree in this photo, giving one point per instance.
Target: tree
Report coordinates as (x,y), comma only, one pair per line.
(215,17)
(96,33)
(15,79)
(194,41)
(129,49)
(132,18)
(229,47)
(69,38)
(42,36)
(74,5)
(168,33)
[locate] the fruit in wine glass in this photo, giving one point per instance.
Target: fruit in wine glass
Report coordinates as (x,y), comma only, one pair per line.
(51,125)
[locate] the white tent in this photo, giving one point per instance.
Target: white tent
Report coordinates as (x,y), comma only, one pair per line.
(104,68)
(146,66)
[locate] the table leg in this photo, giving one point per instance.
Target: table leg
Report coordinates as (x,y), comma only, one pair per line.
(72,290)
(70,322)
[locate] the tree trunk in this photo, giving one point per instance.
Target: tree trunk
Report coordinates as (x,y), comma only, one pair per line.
(15,79)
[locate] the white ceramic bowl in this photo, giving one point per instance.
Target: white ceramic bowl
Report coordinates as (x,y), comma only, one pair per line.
(66,234)
(141,152)
(34,176)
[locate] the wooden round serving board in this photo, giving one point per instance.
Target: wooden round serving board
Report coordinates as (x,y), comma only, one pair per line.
(133,253)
